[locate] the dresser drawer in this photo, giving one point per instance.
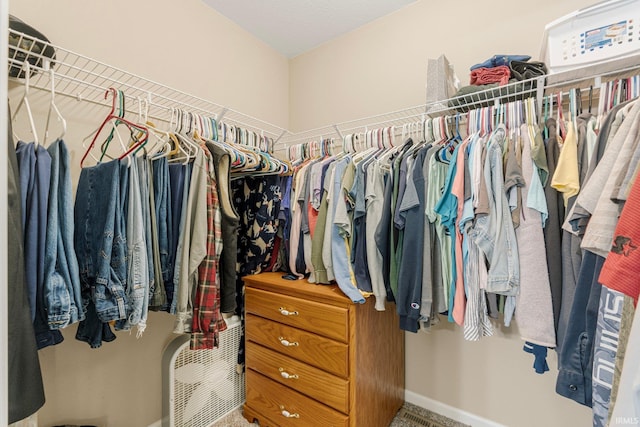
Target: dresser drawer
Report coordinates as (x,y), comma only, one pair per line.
(274,401)
(322,319)
(313,382)
(319,351)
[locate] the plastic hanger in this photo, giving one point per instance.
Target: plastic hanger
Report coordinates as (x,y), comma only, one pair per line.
(25,101)
(118,120)
(54,107)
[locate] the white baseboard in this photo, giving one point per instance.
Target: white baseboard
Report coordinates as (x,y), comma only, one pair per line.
(156,424)
(448,411)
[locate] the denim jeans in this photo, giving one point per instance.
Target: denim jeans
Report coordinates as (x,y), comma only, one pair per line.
(177,176)
(100,239)
(162,197)
(62,296)
(137,283)
(35,176)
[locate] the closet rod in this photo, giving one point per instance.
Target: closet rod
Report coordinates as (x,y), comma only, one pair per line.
(87,79)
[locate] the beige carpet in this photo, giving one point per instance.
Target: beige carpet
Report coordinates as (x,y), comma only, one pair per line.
(409,416)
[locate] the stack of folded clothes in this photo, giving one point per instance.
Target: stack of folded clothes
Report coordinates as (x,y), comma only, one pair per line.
(488,77)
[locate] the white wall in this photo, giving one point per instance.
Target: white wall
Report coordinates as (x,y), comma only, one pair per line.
(187,46)
(378,68)
(381,67)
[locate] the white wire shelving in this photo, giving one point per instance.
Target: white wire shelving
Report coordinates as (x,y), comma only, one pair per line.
(86,79)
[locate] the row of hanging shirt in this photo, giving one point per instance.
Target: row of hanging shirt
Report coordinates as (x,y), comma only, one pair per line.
(350,215)
(149,226)
(398,221)
(514,218)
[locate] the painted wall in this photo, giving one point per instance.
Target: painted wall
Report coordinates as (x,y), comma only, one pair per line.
(381,67)
(187,46)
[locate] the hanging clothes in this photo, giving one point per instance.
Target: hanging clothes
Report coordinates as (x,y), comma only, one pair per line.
(62,297)
(534,309)
(25,388)
(101,247)
(230,223)
(34,162)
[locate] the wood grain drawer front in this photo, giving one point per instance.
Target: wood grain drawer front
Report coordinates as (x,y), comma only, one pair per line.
(313,382)
(287,407)
(321,352)
(322,319)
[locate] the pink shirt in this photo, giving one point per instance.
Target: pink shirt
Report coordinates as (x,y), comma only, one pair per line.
(457,189)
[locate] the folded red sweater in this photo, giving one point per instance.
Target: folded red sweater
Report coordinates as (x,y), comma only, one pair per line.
(485,76)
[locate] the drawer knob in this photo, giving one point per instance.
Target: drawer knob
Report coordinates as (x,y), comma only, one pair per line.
(286,312)
(286,375)
(287,343)
(288,414)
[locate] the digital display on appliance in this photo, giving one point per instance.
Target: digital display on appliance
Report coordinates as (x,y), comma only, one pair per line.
(604,36)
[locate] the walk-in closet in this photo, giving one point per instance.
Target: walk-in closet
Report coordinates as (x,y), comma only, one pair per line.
(344,213)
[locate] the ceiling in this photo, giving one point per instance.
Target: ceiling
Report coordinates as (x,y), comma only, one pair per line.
(295,26)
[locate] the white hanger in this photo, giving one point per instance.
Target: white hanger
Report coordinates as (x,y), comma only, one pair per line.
(25,101)
(54,107)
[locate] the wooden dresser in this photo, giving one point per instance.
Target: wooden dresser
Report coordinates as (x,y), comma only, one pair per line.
(314,358)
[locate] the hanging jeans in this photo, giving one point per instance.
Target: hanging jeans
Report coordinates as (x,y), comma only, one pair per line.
(35,177)
(137,283)
(177,175)
(62,296)
(101,247)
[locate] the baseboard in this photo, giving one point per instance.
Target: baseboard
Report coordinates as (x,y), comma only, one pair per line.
(448,411)
(156,424)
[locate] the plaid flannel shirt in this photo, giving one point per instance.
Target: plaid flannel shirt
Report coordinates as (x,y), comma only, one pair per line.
(207,320)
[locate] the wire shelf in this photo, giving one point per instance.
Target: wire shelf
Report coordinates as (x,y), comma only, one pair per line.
(537,87)
(86,79)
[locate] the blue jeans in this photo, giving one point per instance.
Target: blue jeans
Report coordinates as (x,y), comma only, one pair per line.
(100,239)
(177,176)
(62,295)
(183,215)
(35,176)
(137,283)
(162,197)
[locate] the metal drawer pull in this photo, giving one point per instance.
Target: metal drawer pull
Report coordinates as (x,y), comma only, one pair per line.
(286,312)
(286,375)
(288,414)
(286,343)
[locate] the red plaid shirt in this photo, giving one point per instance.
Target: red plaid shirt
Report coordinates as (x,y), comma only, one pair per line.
(207,319)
